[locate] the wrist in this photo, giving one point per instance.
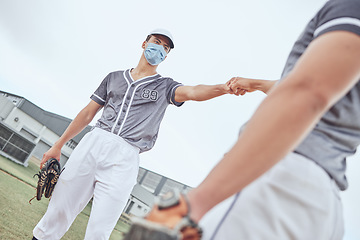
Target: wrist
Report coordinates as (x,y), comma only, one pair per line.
(256,84)
(267,85)
(223,88)
(58,145)
(197,205)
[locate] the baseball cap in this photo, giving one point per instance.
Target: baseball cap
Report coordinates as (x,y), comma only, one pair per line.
(164,32)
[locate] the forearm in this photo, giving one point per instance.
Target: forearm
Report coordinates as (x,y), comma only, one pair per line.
(206,92)
(245,161)
(262,85)
(241,85)
(200,92)
(74,128)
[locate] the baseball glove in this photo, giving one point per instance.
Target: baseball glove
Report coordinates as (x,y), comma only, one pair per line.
(48,177)
(168,220)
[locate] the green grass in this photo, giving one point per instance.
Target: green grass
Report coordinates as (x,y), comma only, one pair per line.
(18,217)
(24,173)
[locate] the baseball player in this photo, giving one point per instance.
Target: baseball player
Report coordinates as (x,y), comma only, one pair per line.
(284,174)
(281,179)
(105,163)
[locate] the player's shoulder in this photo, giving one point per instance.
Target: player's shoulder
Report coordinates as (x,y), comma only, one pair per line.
(331,3)
(341,8)
(164,79)
(338,15)
(115,75)
(117,72)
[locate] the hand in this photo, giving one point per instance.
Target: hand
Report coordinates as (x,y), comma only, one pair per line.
(168,219)
(239,85)
(226,89)
(53,152)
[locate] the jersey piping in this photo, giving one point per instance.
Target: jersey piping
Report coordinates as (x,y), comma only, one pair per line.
(338,21)
(171,101)
(99,98)
(131,100)
(130,83)
(134,110)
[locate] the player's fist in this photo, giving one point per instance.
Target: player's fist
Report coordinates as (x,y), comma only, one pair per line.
(240,85)
(53,152)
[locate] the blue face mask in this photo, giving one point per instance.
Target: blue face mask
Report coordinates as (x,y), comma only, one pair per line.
(154,54)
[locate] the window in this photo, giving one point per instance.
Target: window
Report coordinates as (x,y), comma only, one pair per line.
(170,184)
(151,181)
(15,145)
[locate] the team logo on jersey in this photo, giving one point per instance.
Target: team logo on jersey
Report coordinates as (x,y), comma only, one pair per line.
(149,94)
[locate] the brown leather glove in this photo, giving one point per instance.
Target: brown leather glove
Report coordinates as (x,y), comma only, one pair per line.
(168,220)
(48,177)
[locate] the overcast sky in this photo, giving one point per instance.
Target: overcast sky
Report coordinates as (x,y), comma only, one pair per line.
(56,53)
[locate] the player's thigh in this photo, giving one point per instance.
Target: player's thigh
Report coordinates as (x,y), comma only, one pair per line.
(111,193)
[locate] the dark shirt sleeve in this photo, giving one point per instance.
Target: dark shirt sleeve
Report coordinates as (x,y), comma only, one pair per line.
(343,15)
(171,87)
(100,94)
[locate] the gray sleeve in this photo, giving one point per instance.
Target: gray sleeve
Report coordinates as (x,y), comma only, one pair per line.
(339,15)
(100,94)
(171,87)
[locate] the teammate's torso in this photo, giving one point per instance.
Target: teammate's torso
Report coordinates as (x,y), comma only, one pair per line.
(337,134)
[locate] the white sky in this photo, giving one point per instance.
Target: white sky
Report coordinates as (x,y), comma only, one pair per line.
(55,54)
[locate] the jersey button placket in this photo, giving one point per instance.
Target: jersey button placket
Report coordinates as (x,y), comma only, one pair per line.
(125,106)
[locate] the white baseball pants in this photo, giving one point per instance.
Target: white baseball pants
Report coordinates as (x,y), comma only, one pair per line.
(296,199)
(103,166)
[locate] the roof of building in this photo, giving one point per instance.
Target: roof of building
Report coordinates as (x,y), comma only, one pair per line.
(52,121)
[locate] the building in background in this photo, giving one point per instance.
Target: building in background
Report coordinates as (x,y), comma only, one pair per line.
(27,132)
(149,184)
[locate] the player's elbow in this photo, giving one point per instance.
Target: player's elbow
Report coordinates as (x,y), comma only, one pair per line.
(316,98)
(318,101)
(85,116)
(199,93)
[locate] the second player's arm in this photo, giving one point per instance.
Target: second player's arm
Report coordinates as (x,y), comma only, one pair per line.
(328,69)
(84,117)
(241,85)
(200,92)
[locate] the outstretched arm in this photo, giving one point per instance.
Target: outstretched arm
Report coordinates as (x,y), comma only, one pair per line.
(84,117)
(327,70)
(240,85)
(200,92)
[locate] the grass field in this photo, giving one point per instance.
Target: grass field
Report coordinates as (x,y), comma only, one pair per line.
(18,217)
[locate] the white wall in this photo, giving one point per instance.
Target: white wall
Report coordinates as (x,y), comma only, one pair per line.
(5,107)
(27,122)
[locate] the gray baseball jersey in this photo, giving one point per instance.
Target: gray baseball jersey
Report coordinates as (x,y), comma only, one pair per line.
(134,109)
(337,135)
